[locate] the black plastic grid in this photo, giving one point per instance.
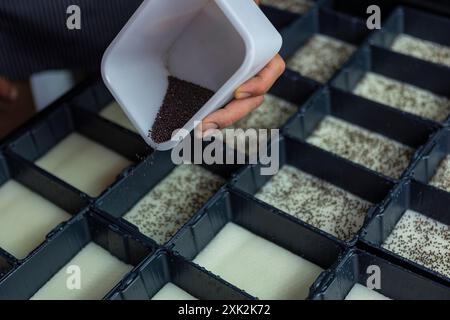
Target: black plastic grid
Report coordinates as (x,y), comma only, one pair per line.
(340,19)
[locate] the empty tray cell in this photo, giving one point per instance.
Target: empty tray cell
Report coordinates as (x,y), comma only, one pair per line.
(417,34)
(80,149)
(422,240)
(317,45)
(398,81)
(84,260)
(114,113)
(362,146)
(25,218)
(422,49)
(320,57)
(76,160)
(360,292)
(244,259)
(316,202)
(158,197)
(354,275)
(412,224)
(99,269)
(362,131)
(403,96)
(296,6)
(172,292)
(173,201)
(256,249)
(331,196)
(31,206)
(168,276)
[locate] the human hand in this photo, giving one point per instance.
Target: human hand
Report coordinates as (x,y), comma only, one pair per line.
(8,93)
(247,97)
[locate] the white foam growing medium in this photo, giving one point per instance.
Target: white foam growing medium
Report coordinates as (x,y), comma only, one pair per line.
(172,292)
(258,266)
(83,163)
(360,292)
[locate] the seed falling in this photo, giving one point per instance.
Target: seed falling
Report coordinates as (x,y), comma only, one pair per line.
(361,146)
(422,240)
(316,202)
(171,203)
(182,101)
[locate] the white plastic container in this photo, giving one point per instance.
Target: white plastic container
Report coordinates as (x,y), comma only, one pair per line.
(218,44)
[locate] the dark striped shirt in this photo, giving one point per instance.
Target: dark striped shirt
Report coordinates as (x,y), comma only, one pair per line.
(34,35)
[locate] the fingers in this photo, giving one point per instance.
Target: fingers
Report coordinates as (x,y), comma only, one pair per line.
(235,110)
(262,82)
(7,91)
(258,2)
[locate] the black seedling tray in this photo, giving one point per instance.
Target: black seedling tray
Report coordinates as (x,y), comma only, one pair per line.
(169,267)
(279,18)
(396,282)
(44,134)
(405,128)
(100,219)
(342,173)
(231,205)
(61,246)
(437,149)
(141,180)
(41,183)
(413,195)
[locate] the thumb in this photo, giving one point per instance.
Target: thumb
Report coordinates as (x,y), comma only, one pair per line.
(8,92)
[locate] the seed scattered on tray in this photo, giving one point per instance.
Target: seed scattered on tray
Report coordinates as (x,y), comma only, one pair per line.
(171,203)
(114,113)
(272,114)
(422,49)
(403,96)
(422,240)
(295,6)
(320,57)
(182,101)
(442,177)
(361,146)
(316,202)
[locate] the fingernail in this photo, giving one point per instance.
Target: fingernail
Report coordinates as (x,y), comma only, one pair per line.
(243,95)
(13,94)
(209,129)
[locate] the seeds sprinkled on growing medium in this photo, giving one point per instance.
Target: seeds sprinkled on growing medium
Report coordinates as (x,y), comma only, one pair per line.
(296,6)
(272,114)
(403,96)
(182,101)
(171,203)
(442,177)
(422,240)
(320,57)
(361,146)
(316,202)
(422,49)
